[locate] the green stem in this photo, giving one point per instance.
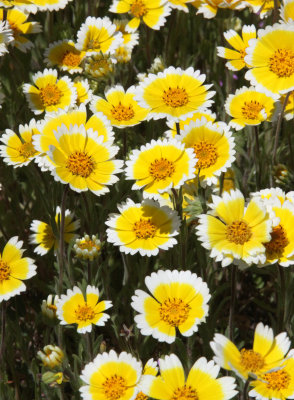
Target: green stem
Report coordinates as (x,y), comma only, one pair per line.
(61,239)
(282,299)
(278,129)
(256,154)
(245,390)
(2,345)
(233,301)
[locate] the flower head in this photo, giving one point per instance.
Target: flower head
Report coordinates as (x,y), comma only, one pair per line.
(287,11)
(84,93)
(100,65)
(51,356)
(6,36)
(48,307)
(260,7)
(180,4)
(64,55)
(209,8)
(87,248)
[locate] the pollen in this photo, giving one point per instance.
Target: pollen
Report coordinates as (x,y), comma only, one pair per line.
(80,163)
(278,242)
(4,271)
(206,154)
(27,150)
(277,380)
(175,97)
(251,360)
(84,312)
(71,59)
(88,245)
(50,95)
(114,387)
(122,113)
(161,169)
(282,63)
(141,396)
(174,311)
(144,229)
(251,109)
(238,232)
(138,8)
(184,393)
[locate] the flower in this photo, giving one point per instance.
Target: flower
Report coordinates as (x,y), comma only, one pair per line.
(84,160)
(120,107)
(50,5)
(53,379)
(98,35)
(289,109)
(174,93)
(261,7)
(123,53)
(18,149)
(65,55)
(179,300)
(44,236)
(236,56)
(49,93)
(152,12)
(48,307)
(180,4)
(6,36)
(75,308)
(84,93)
(111,376)
(143,227)
(100,65)
(14,269)
(267,352)
(87,248)
(202,382)
(248,106)
(150,368)
(131,39)
(24,5)
(17,23)
(225,183)
(209,8)
(159,166)
(213,147)
(271,57)
(233,232)
(51,356)
(287,11)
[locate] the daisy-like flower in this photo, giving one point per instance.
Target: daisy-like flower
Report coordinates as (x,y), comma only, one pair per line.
(159,166)
(6,37)
(111,375)
(239,45)
(267,353)
(51,356)
(14,268)
(287,11)
(87,248)
(100,65)
(64,55)
(150,368)
(84,160)
(50,5)
(213,146)
(289,109)
(43,234)
(261,7)
(98,35)
(271,57)
(180,4)
(48,307)
(209,8)
(228,182)
(131,39)
(74,308)
(18,149)
(120,107)
(143,227)
(179,300)
(84,93)
(24,5)
(152,12)
(17,22)
(123,53)
(174,93)
(234,232)
(201,383)
(276,384)
(49,93)
(248,106)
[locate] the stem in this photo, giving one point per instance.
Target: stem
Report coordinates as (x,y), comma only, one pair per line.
(278,129)
(61,239)
(233,300)
(245,390)
(2,346)
(276,11)
(282,298)
(89,273)
(178,128)
(256,154)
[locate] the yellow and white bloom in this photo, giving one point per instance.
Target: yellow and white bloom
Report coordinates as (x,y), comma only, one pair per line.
(152,12)
(236,57)
(120,107)
(111,375)
(261,7)
(98,35)
(100,65)
(84,160)
(201,383)
(270,197)
(267,353)
(174,93)
(74,308)
(6,37)
(123,53)
(49,93)
(180,4)
(64,55)
(178,300)
(289,109)
(213,146)
(43,234)
(131,39)
(18,150)
(159,166)
(84,93)
(143,227)
(235,232)
(27,6)
(48,307)
(14,268)
(150,368)
(51,356)
(287,11)
(50,5)
(87,248)
(248,106)
(209,8)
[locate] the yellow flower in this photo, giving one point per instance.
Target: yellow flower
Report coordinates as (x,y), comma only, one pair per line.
(248,106)
(209,8)
(100,65)
(131,39)
(261,7)
(143,228)
(123,53)
(180,4)
(289,110)
(84,160)
(228,182)
(64,55)
(150,368)
(50,5)
(267,352)
(6,36)
(48,307)
(174,93)
(239,45)
(49,93)
(152,12)
(74,308)
(120,107)
(287,11)
(271,57)
(87,248)
(233,232)
(84,92)
(51,356)
(14,269)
